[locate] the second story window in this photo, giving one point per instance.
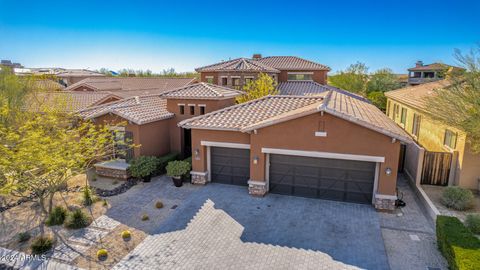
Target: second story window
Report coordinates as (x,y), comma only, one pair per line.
(209,79)
(181,108)
(192,109)
(224,81)
(388,108)
(417,119)
(403,118)
(202,109)
(236,81)
(450,139)
(300,76)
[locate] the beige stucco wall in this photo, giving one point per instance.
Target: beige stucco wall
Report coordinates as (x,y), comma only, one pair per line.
(431,137)
(299,134)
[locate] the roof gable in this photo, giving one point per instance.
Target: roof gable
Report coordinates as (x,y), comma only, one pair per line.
(239,65)
(139,110)
(292,63)
(202,91)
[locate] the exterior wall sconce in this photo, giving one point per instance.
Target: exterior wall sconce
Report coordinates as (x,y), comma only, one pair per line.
(388,171)
(255,160)
(196,152)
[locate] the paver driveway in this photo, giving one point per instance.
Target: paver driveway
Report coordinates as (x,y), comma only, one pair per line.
(348,233)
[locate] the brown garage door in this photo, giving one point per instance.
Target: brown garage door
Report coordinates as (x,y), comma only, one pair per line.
(331,179)
(230,165)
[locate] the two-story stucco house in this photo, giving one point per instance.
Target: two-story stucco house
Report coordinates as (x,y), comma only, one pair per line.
(408,107)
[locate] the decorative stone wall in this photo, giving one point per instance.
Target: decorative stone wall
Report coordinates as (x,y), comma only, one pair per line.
(257,188)
(199,178)
(114,173)
(385,204)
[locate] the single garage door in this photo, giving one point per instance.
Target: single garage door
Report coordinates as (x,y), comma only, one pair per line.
(230,165)
(331,179)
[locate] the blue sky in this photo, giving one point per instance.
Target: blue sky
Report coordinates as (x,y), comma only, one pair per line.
(186,34)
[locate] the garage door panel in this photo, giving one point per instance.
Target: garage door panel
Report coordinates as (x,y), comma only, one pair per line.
(230,165)
(332,179)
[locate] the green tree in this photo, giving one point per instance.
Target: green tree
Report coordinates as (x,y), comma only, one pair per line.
(39,152)
(379,82)
(264,85)
(382,80)
(458,105)
(353,79)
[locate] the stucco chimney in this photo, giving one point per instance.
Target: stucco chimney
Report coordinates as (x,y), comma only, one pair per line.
(419,64)
(256,56)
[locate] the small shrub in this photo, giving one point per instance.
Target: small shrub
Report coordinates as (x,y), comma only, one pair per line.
(473,223)
(77,219)
(41,244)
(102,254)
(87,196)
(114,182)
(457,244)
(57,216)
(189,160)
(164,160)
(126,234)
(145,217)
(143,166)
(24,237)
(158,204)
(457,198)
(178,168)
(105,203)
(94,177)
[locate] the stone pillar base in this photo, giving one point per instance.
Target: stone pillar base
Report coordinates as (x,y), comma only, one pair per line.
(199,178)
(385,202)
(112,173)
(257,188)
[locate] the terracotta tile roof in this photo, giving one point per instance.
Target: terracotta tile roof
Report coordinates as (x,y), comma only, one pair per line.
(68,101)
(301,88)
(118,84)
(275,109)
(239,65)
(79,73)
(311,88)
(48,85)
(291,63)
(139,110)
(433,66)
(362,113)
(246,114)
(415,96)
(202,91)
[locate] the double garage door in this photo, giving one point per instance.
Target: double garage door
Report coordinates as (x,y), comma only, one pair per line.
(330,179)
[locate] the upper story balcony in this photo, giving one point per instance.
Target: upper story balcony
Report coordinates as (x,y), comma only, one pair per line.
(419,77)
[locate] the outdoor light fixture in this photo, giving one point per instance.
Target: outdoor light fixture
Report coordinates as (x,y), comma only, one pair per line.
(388,171)
(196,152)
(255,160)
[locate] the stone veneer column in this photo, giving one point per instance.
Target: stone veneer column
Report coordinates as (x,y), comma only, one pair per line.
(199,178)
(257,188)
(385,202)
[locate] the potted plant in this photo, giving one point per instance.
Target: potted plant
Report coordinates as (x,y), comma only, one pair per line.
(143,167)
(177,169)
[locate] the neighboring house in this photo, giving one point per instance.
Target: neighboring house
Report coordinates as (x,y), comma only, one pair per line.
(427,73)
(131,86)
(238,72)
(152,119)
(10,64)
(408,107)
(330,146)
(49,85)
(66,77)
(69,102)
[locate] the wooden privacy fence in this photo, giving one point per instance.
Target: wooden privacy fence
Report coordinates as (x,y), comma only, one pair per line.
(436,168)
